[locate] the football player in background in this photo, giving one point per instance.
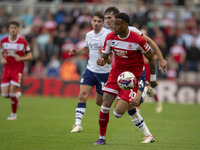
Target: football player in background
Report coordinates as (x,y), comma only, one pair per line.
(94,74)
(128,47)
(14,51)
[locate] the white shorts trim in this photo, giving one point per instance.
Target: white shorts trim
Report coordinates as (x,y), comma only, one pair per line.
(5,84)
(118,98)
(4,94)
(15,83)
(13,95)
(111,90)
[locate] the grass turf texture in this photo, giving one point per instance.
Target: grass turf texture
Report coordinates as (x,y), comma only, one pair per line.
(45,124)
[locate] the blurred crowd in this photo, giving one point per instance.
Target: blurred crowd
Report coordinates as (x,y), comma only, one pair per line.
(52,35)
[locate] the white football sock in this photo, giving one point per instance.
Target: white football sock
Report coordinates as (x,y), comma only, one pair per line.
(139,122)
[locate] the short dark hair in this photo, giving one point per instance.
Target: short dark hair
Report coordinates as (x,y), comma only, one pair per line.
(14,23)
(99,14)
(112,9)
(123,16)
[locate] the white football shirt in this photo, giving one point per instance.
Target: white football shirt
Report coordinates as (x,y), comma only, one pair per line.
(94,41)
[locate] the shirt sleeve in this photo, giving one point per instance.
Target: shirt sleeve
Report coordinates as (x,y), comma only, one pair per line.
(106,45)
(26,47)
(134,29)
(86,44)
(104,38)
(143,46)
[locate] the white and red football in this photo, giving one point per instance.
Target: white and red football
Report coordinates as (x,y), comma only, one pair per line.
(126,80)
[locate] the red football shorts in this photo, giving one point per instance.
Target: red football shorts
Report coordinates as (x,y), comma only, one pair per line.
(113,88)
(14,78)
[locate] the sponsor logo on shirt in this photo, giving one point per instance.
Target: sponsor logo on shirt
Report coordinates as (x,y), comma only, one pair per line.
(113,43)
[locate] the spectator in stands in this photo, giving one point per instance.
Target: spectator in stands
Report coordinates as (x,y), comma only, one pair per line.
(51,50)
(38,70)
(42,39)
(171,37)
(49,24)
(60,15)
(4,32)
(37,19)
(185,13)
(53,67)
(84,18)
(60,34)
(26,17)
(4,16)
(193,57)
(178,55)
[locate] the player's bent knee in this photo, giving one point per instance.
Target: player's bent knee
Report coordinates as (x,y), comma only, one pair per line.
(117,115)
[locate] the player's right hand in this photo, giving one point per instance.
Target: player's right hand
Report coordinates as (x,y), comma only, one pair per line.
(163,65)
(73,51)
(3,61)
(153,84)
(101,61)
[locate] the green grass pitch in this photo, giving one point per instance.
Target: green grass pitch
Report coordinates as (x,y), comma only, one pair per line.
(45,124)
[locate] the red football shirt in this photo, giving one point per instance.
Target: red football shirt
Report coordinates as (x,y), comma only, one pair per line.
(20,47)
(128,52)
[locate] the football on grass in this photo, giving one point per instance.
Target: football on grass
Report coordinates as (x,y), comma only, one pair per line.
(126,80)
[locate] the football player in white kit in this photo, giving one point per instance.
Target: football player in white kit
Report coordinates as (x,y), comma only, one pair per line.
(94,74)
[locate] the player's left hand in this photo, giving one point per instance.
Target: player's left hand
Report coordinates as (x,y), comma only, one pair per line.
(153,84)
(101,61)
(163,65)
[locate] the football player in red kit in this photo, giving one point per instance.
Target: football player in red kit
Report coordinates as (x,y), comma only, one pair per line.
(128,48)
(14,50)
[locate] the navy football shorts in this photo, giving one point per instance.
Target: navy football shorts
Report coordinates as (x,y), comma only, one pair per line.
(141,83)
(98,79)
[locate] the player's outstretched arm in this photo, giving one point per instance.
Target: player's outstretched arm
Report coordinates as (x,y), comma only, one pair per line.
(152,65)
(161,61)
(81,51)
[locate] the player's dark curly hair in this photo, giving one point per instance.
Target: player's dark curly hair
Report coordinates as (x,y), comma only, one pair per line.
(14,23)
(112,9)
(123,16)
(99,14)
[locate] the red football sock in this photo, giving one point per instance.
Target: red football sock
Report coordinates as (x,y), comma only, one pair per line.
(103,122)
(156,97)
(14,102)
